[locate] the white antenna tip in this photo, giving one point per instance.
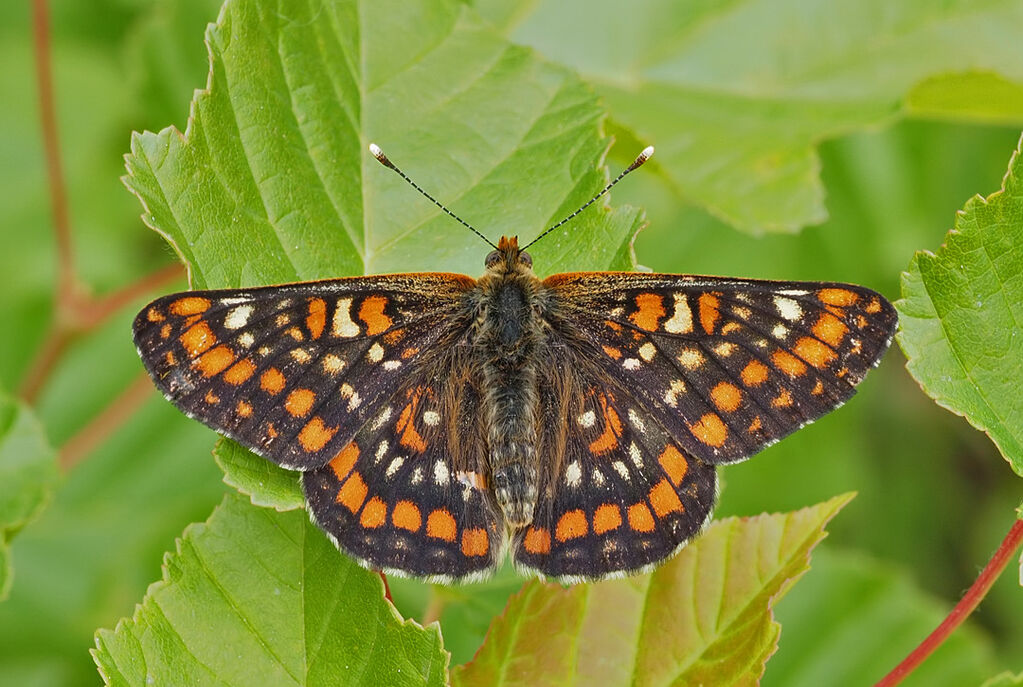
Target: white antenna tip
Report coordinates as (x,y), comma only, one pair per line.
(375,149)
(647,153)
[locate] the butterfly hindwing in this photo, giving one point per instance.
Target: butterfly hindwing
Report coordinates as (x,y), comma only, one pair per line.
(402,497)
(727,366)
(293,371)
(623,495)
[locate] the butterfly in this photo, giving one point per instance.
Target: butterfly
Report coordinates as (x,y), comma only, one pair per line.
(576,422)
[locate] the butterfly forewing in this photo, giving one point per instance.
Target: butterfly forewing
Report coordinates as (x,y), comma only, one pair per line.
(726,366)
(293,371)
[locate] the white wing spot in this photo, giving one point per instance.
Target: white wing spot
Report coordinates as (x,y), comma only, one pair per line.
(431,417)
(621,469)
(282,319)
(440,472)
(794,292)
(300,355)
(691,359)
(725,349)
(391,364)
(573,474)
(332,364)
(634,453)
(246,339)
(395,466)
(384,416)
(631,364)
(647,351)
(342,325)
(375,353)
(636,420)
(780,331)
(671,395)
(788,308)
(681,321)
(743,312)
(598,477)
(382,450)
(587,419)
(238,317)
(417,476)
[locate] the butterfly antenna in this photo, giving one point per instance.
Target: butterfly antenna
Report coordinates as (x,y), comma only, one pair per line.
(382,159)
(643,157)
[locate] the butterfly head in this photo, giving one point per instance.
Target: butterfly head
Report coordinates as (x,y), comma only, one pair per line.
(509,259)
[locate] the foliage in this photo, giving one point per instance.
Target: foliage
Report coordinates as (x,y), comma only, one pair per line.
(505,111)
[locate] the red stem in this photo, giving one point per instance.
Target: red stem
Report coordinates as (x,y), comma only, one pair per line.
(387,587)
(974,595)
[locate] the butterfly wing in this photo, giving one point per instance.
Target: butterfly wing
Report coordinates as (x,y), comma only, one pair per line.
(292,372)
(621,494)
(409,494)
(725,366)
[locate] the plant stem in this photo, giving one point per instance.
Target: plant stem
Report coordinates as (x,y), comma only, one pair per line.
(974,595)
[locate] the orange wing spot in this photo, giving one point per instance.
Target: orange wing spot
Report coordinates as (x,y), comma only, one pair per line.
(709,313)
(211,398)
(649,311)
(441,525)
(315,435)
(165,331)
(613,326)
(240,372)
(475,542)
(537,540)
(344,461)
(818,388)
(754,374)
(154,315)
(271,431)
(842,372)
(295,333)
(300,402)
(839,297)
(613,352)
(710,430)
(272,381)
(664,499)
(874,306)
(374,514)
(410,438)
(612,429)
(189,305)
(189,321)
(406,516)
(830,329)
(788,363)
(607,517)
(674,464)
(352,492)
(640,518)
(214,361)
(755,426)
(244,409)
(571,525)
(394,336)
(726,397)
(861,321)
(814,352)
(408,352)
(782,400)
(372,313)
(731,326)
(197,339)
(171,358)
(317,318)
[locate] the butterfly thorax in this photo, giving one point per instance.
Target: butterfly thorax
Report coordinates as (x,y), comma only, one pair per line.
(508,338)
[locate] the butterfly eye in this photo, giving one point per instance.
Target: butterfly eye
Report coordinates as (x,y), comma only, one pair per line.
(526,259)
(493,258)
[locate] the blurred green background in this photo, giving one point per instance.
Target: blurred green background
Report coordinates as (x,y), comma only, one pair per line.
(934,500)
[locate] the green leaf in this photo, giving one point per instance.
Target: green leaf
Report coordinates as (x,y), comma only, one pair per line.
(28,473)
(1006,679)
(961,316)
(705,617)
(253,596)
(873,618)
(265,483)
(737,95)
(272,181)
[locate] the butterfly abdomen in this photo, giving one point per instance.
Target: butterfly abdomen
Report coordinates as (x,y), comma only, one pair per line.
(507,343)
